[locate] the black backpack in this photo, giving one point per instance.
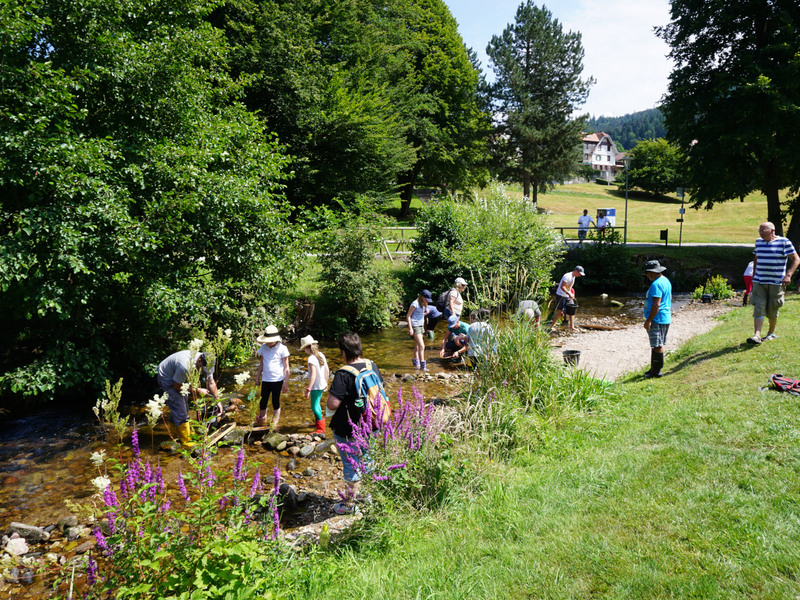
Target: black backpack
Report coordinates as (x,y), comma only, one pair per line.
(441,301)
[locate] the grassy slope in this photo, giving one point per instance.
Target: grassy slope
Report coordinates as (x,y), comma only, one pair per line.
(686,487)
(728,222)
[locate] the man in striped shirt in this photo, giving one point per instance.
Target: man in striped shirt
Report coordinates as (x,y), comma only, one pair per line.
(770,276)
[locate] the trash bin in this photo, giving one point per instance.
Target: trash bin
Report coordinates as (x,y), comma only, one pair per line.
(571,357)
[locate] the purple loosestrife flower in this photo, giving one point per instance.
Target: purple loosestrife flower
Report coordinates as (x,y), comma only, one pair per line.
(110,498)
(256,487)
(164,508)
(238,473)
(91,571)
(402,465)
(135,440)
(112,522)
(160,478)
(182,486)
(380,477)
(209,478)
(101,539)
(276,521)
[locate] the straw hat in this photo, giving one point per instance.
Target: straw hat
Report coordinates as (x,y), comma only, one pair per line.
(307,341)
(270,335)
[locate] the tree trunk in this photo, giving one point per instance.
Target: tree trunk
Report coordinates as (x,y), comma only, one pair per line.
(407,182)
(535,191)
(526,185)
(771,191)
(793,233)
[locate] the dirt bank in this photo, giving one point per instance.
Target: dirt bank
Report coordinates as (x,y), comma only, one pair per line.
(609,354)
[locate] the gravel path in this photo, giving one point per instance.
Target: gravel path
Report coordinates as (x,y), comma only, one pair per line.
(609,354)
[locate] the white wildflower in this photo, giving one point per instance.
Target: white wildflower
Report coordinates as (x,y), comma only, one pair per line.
(195,346)
(228,333)
(98,458)
(154,409)
(241,378)
(101,483)
(184,389)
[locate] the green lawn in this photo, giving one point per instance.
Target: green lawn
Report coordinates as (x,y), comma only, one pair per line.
(685,487)
(731,221)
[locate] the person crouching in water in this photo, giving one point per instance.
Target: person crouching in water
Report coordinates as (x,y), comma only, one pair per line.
(415,317)
(318,374)
(273,373)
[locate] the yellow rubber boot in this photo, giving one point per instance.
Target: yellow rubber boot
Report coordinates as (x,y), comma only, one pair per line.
(185,435)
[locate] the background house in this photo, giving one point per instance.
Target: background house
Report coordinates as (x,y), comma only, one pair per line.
(601,153)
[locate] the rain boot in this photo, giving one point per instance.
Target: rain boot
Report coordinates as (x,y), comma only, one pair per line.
(276,415)
(320,426)
(656,362)
(415,363)
(744,300)
(423,365)
(185,434)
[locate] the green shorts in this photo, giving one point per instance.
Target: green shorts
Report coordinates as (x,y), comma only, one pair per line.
(418,330)
(767,299)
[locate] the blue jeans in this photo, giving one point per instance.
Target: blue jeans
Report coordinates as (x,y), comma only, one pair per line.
(350,473)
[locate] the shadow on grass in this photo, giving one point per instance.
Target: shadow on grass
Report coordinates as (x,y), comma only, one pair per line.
(644,196)
(704,356)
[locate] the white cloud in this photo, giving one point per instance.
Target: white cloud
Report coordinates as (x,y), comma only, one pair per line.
(621,50)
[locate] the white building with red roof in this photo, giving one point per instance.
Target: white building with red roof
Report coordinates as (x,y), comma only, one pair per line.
(601,153)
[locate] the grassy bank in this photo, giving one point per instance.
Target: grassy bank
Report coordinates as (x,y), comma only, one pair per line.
(686,487)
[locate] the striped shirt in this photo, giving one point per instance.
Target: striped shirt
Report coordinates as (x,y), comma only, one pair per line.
(771,260)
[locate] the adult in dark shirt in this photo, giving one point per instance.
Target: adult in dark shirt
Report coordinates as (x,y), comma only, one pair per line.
(341,401)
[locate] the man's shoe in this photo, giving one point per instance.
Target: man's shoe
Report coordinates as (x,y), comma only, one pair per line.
(649,375)
(754,340)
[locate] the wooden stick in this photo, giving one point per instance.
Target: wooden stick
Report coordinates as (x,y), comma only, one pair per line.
(224,430)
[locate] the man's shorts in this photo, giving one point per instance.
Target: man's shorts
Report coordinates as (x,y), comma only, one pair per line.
(658,334)
(766,299)
(562,303)
(582,234)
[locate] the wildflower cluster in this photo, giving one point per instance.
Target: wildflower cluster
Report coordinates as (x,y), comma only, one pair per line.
(202,538)
(399,456)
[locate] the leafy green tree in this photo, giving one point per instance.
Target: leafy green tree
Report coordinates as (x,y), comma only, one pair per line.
(657,167)
(137,198)
(732,100)
(537,89)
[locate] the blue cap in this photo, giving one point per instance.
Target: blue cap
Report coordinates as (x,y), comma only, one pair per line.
(452,321)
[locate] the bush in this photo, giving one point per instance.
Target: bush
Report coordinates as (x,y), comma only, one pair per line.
(356,294)
(499,243)
(607,263)
(717,286)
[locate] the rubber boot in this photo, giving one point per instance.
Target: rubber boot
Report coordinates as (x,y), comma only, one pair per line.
(656,362)
(423,365)
(320,426)
(415,363)
(431,335)
(745,299)
(185,434)
(261,419)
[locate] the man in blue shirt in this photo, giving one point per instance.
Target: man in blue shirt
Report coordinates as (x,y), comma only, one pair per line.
(657,314)
(770,277)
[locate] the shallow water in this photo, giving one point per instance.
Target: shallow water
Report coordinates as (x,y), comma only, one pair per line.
(44,457)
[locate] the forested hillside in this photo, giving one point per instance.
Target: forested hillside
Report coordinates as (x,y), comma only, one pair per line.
(629,129)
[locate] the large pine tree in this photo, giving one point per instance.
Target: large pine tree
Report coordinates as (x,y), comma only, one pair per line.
(537,89)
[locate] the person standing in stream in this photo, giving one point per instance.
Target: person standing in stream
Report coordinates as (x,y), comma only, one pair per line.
(657,314)
(318,375)
(273,373)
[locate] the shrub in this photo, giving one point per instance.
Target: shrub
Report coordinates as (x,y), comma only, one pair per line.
(717,286)
(355,293)
(607,263)
(499,243)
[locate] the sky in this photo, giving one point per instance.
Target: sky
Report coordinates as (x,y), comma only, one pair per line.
(622,53)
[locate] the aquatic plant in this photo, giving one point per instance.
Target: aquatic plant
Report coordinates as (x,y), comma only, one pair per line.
(203,537)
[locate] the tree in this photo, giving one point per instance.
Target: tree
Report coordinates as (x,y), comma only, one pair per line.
(657,167)
(537,89)
(732,102)
(138,199)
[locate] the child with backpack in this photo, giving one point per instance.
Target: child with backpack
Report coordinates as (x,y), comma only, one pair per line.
(318,374)
(415,317)
(356,386)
